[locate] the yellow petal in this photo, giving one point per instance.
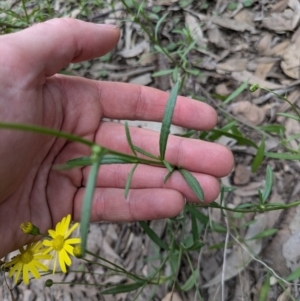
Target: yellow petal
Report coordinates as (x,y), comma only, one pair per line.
(25,274)
(62,262)
(34,270)
(67,234)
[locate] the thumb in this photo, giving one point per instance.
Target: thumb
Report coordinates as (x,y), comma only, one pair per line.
(46,48)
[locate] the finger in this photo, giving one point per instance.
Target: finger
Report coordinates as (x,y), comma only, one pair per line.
(194,155)
(125,101)
(141,204)
(48,47)
(133,102)
(115,176)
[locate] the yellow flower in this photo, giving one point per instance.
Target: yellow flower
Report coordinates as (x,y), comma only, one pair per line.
(60,244)
(28,261)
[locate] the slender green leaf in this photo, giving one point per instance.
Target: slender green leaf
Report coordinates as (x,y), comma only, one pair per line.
(168,176)
(287,115)
(265,233)
(158,25)
(167,120)
(240,140)
(153,236)
(192,280)
(128,181)
(168,166)
(283,156)
(204,219)
(123,288)
(87,205)
(263,295)
(162,72)
(236,92)
(272,128)
(259,156)
(195,231)
(193,183)
(128,136)
(294,275)
(145,153)
(269,184)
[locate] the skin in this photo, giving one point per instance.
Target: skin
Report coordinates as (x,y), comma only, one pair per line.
(32,92)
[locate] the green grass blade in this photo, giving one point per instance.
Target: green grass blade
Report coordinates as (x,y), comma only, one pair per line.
(153,236)
(128,136)
(166,122)
(258,157)
(283,156)
(87,205)
(128,181)
(193,183)
(269,184)
(236,92)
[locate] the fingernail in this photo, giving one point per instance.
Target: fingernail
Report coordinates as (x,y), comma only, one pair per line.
(111,26)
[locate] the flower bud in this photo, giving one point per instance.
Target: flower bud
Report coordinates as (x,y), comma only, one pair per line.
(254,87)
(77,251)
(49,282)
(29,228)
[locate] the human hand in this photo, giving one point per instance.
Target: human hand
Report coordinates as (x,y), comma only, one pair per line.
(31,92)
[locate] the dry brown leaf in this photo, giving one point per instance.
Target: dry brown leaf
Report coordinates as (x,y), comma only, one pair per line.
(222,89)
(251,112)
(286,20)
(232,65)
(192,24)
(291,59)
(245,16)
(171,297)
(280,48)
(285,296)
(292,127)
(262,69)
(239,258)
(242,76)
(264,44)
(279,6)
(215,37)
(135,50)
(232,24)
(142,80)
(242,175)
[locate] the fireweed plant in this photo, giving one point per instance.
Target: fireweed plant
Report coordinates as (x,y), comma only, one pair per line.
(58,247)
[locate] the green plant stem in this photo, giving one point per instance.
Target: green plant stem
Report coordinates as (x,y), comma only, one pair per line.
(25,11)
(44,131)
(258,210)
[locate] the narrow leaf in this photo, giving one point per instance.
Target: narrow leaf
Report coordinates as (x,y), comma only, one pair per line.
(258,157)
(129,138)
(162,72)
(168,176)
(283,156)
(123,288)
(128,181)
(236,92)
(145,153)
(293,276)
(87,205)
(240,140)
(153,236)
(192,280)
(263,234)
(269,184)
(193,183)
(167,119)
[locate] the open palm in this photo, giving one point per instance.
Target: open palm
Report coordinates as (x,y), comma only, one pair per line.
(31,92)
